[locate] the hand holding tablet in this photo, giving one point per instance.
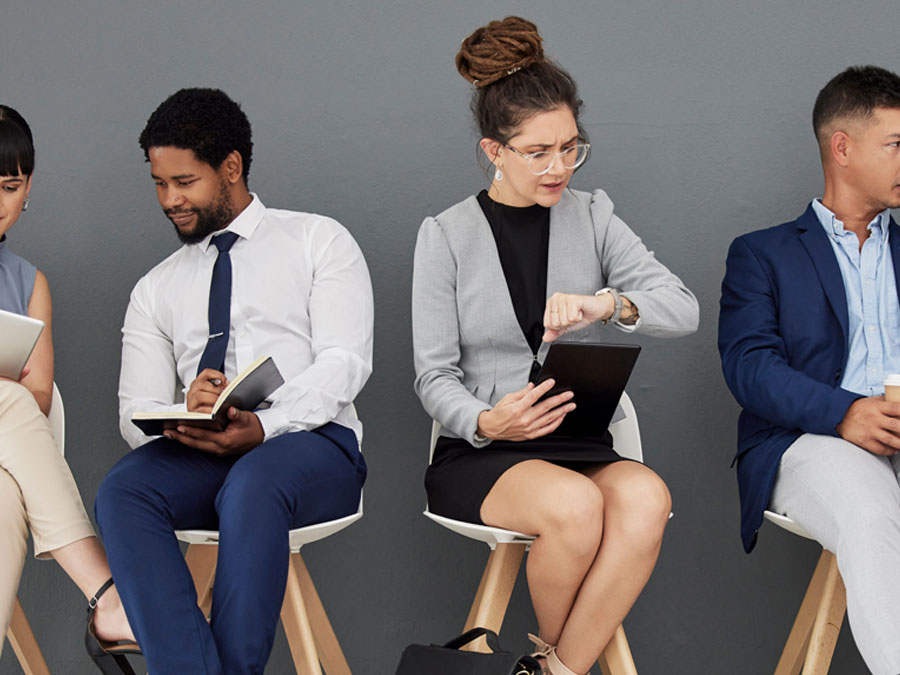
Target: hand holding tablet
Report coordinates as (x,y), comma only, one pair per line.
(19,336)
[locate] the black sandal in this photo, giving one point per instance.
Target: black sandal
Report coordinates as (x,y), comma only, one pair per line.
(109,657)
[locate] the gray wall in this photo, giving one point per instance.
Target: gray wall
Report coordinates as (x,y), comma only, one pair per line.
(699,115)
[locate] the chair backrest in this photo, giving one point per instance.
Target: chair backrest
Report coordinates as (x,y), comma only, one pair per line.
(626,433)
(57,419)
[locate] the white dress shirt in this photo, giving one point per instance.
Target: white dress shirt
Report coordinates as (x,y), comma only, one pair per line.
(300,293)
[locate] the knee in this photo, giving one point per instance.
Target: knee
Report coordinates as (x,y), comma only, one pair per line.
(575,518)
(639,506)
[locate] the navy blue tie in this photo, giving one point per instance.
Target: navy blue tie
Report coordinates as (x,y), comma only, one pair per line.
(219,306)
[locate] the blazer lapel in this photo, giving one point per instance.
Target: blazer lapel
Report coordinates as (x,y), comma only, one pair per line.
(498,301)
(815,240)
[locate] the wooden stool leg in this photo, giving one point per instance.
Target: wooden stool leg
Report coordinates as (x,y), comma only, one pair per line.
(24,644)
(828,622)
(297,627)
(794,653)
(201,561)
(494,591)
(326,643)
(616,659)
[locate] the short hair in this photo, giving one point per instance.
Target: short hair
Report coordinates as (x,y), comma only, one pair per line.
(855,93)
(205,121)
(16,144)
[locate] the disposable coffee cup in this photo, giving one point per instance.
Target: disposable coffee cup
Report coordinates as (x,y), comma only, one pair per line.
(892,388)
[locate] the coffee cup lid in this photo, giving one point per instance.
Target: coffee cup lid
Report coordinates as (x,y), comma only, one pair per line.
(892,380)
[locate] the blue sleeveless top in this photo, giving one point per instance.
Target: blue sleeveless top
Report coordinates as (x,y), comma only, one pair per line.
(16,280)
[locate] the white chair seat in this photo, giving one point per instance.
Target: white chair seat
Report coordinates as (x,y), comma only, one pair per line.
(489,535)
(786,523)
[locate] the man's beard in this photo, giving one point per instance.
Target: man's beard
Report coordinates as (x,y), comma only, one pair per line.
(210,218)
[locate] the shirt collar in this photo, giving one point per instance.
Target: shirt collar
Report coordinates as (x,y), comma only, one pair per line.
(833,226)
(244,225)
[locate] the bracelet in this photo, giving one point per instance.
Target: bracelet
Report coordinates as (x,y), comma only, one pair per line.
(618,305)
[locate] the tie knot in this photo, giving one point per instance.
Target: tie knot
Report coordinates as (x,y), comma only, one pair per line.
(225,241)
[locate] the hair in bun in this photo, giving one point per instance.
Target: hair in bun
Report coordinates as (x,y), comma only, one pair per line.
(513,80)
(499,49)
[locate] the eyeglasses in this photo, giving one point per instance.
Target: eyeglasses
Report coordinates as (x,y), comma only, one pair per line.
(542,161)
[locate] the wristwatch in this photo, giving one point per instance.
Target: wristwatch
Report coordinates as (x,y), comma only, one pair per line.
(617,299)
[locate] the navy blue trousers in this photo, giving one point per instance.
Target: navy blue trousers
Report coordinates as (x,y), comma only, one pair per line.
(253,500)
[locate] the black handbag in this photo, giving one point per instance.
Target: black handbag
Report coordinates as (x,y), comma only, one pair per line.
(449,660)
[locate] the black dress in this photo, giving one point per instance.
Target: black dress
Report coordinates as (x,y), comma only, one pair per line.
(460,475)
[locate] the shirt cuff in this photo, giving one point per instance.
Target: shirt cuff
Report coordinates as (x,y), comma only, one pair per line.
(275,423)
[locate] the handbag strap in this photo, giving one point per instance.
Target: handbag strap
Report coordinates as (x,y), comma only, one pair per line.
(490,637)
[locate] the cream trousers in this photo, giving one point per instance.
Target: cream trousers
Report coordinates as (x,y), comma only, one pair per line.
(36,490)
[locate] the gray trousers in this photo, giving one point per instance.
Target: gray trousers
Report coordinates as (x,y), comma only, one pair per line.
(849,500)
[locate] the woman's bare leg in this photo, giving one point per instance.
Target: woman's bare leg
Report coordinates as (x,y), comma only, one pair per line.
(563,509)
(637,506)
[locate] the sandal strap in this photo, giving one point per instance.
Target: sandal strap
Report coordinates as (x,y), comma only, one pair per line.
(543,648)
(557,667)
(92,603)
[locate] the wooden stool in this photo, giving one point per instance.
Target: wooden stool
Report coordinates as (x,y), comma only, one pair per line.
(24,644)
(810,645)
(309,633)
(492,598)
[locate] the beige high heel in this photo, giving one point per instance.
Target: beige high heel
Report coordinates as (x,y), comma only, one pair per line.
(547,651)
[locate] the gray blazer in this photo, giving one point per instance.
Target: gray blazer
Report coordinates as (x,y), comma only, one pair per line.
(469,349)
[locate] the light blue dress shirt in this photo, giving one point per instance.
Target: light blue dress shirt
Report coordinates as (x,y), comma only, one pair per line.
(872,304)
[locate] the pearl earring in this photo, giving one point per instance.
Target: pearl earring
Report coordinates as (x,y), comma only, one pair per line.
(498,175)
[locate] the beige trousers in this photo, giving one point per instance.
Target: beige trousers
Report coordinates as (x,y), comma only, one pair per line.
(36,490)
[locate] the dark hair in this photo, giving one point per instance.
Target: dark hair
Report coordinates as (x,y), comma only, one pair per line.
(505,61)
(205,121)
(856,92)
(16,144)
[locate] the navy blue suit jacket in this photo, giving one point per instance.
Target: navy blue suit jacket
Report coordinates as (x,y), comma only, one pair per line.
(783,339)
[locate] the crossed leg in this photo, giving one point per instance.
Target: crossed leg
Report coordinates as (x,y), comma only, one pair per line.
(598,535)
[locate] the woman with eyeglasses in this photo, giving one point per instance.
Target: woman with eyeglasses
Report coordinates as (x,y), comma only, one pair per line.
(37,491)
(499,276)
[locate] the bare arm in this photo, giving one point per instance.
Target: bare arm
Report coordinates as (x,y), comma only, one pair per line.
(39,379)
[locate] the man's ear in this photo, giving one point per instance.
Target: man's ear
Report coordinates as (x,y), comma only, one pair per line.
(233,167)
(839,148)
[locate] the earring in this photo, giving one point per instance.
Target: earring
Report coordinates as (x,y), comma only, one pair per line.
(25,205)
(498,175)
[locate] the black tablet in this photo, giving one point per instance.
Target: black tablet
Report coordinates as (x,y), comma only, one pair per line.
(596,374)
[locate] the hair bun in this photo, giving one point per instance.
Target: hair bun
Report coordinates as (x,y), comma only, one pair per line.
(499,49)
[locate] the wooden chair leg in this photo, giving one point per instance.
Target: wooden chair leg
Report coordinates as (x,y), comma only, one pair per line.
(797,645)
(201,561)
(326,643)
(297,626)
(828,621)
(496,587)
(616,659)
(24,644)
